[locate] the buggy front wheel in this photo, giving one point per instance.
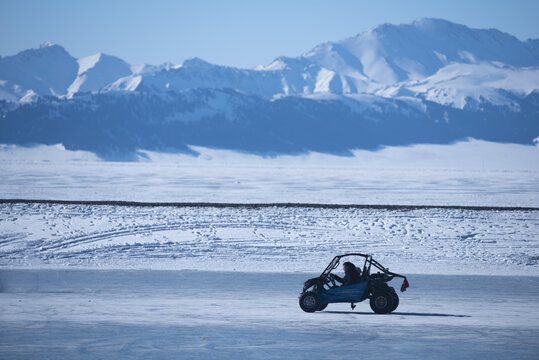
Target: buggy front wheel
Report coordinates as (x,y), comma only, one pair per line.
(322,307)
(309,301)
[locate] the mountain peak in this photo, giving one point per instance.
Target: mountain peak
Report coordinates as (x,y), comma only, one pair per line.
(426,21)
(47,44)
(196,62)
(48,47)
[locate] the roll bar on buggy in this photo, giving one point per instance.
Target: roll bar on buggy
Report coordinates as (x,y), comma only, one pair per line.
(369,262)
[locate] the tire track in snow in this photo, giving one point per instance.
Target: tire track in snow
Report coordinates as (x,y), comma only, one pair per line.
(66,243)
(276,235)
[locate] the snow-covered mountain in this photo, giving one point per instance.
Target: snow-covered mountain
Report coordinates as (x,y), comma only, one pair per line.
(378,61)
(387,56)
(364,91)
(50,70)
(47,70)
(96,71)
(389,53)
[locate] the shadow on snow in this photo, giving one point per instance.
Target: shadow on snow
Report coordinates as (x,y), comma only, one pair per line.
(395,313)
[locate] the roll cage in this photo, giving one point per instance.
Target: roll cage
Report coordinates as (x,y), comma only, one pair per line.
(320,291)
(369,262)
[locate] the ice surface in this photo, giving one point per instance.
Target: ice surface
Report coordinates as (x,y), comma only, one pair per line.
(216,315)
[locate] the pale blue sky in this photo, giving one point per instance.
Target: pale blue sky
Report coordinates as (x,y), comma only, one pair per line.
(232,32)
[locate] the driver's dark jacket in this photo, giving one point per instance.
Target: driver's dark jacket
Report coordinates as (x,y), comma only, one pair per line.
(349,279)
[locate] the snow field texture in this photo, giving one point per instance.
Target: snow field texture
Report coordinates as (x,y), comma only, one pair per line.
(434,241)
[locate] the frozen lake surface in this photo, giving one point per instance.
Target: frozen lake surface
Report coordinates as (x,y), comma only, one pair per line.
(88,314)
(474,173)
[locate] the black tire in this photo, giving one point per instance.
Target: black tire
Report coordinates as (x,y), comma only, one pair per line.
(309,301)
(395,301)
(322,307)
(381,302)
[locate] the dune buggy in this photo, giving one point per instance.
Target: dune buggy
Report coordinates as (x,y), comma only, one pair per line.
(323,290)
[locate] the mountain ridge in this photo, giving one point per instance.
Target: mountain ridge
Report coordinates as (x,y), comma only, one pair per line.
(385,55)
(441,80)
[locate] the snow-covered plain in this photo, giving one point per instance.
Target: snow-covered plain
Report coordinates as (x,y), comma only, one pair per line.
(473,172)
(431,241)
(107,281)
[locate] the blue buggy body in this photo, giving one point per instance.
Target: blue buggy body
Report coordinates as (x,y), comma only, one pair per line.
(351,293)
(320,291)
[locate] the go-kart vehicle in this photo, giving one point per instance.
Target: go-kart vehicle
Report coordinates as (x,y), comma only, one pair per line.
(323,290)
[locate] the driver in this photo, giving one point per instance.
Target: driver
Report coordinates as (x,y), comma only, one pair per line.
(352,275)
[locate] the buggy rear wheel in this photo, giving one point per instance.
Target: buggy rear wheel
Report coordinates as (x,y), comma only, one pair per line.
(382,302)
(309,301)
(395,300)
